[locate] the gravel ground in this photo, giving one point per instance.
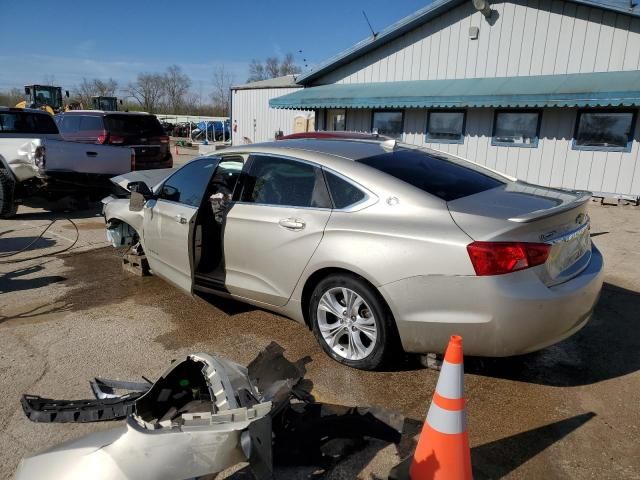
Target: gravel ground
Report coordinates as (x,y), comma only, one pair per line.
(569,411)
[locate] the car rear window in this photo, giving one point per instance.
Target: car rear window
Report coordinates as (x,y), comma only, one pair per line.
(26,122)
(133,125)
(432,173)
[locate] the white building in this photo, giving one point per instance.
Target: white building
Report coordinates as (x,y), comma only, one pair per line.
(545,90)
(253,121)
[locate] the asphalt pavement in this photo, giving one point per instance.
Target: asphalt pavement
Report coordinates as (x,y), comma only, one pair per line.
(68,313)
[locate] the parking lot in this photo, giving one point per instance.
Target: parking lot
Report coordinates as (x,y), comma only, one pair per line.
(569,411)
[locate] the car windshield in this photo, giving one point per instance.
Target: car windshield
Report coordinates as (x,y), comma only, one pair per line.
(133,125)
(435,174)
(25,122)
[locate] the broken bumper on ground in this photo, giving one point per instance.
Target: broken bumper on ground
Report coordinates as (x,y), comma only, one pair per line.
(203,415)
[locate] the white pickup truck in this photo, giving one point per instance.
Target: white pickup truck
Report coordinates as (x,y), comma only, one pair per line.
(36,162)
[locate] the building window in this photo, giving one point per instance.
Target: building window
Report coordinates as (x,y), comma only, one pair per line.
(387,123)
(516,129)
(336,120)
(445,127)
(604,130)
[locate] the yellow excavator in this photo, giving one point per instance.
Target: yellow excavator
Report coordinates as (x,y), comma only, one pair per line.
(47,98)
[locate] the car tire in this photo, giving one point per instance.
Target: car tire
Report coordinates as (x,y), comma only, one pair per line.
(386,342)
(8,206)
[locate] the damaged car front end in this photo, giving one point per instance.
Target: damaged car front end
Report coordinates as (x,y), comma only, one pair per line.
(203,415)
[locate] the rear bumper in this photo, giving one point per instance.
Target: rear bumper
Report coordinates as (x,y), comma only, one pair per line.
(497,316)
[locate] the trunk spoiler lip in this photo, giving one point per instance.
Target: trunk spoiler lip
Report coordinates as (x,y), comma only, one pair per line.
(584,197)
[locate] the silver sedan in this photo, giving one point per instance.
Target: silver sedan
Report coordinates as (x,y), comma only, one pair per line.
(377,246)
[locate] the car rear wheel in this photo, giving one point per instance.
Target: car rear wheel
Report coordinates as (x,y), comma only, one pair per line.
(8,207)
(351,322)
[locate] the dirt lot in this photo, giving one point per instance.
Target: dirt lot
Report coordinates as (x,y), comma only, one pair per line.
(570,411)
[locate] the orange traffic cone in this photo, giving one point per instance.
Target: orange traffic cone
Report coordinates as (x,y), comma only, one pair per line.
(443,451)
(443,448)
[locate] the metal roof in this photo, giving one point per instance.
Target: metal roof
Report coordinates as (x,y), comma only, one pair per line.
(286,81)
(569,90)
(434,9)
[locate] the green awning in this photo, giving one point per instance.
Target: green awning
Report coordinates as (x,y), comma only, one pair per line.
(569,90)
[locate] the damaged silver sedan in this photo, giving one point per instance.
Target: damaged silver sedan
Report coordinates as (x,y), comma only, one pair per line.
(203,415)
(374,245)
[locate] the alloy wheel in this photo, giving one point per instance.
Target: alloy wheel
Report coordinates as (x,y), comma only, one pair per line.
(347,323)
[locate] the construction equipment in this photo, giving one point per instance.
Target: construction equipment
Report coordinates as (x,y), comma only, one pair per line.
(107,104)
(44,97)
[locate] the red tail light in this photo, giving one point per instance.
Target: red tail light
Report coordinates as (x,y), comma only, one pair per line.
(103,138)
(116,139)
(496,258)
(164,139)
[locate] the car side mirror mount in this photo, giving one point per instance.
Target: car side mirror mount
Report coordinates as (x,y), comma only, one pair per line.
(141,188)
(136,202)
(140,193)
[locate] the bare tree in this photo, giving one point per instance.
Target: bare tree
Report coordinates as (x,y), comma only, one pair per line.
(176,88)
(288,65)
(256,71)
(91,88)
(222,82)
(148,90)
(12,97)
(105,88)
(83,92)
(272,67)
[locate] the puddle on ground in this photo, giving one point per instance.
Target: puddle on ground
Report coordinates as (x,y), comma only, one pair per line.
(96,279)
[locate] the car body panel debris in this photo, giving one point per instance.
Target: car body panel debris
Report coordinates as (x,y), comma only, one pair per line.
(203,415)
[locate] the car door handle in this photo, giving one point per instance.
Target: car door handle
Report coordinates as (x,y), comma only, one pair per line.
(180,219)
(292,224)
(92,154)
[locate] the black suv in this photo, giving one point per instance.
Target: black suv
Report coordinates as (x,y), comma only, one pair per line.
(140,131)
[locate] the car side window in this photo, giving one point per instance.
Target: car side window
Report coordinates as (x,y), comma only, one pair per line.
(284,182)
(343,193)
(24,122)
(189,183)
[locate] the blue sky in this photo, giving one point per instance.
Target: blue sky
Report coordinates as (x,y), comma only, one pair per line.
(70,40)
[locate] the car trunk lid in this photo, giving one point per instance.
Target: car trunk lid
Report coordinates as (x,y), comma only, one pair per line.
(520,212)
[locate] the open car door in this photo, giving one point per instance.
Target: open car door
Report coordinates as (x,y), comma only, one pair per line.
(170,218)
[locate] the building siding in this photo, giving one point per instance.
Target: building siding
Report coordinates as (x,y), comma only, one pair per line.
(524,37)
(251,104)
